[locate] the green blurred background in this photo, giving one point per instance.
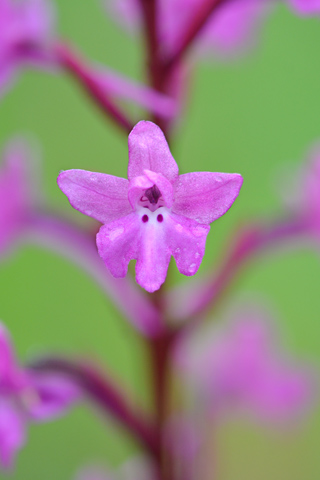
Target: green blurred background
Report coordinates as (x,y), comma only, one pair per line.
(255,115)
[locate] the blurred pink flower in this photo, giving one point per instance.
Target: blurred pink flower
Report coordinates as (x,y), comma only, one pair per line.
(18,193)
(25,31)
(302,194)
(26,396)
(155,213)
(231,27)
(239,367)
(146,97)
(306,7)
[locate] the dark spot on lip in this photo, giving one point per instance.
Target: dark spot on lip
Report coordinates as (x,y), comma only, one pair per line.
(145,218)
(153,194)
(160,218)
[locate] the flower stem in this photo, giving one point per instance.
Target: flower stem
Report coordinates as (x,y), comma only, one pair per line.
(78,245)
(199,19)
(73,64)
(158,78)
(160,356)
(99,389)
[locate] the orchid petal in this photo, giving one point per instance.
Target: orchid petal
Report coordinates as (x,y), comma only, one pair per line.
(137,187)
(117,244)
(163,184)
(101,196)
(186,240)
(148,150)
(54,395)
(132,238)
(11,376)
(12,432)
(205,196)
(154,254)
(6,355)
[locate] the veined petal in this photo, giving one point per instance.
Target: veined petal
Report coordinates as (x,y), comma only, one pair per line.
(118,242)
(101,196)
(148,150)
(205,196)
(12,432)
(186,240)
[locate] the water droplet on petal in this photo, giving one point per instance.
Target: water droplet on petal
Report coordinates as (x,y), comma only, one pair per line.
(177,250)
(192,267)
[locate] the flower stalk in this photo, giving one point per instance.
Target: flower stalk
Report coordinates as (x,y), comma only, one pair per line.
(103,393)
(76,66)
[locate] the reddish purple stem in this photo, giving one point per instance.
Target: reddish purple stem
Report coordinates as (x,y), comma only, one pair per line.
(99,389)
(199,20)
(76,66)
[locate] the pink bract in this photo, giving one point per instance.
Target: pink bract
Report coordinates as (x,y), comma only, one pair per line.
(26,396)
(154,214)
(241,367)
(25,32)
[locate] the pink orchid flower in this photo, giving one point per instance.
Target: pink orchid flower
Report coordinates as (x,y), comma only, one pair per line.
(25,31)
(155,213)
(231,27)
(26,396)
(240,368)
(17,193)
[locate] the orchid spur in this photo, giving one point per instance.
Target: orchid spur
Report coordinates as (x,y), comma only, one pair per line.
(155,213)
